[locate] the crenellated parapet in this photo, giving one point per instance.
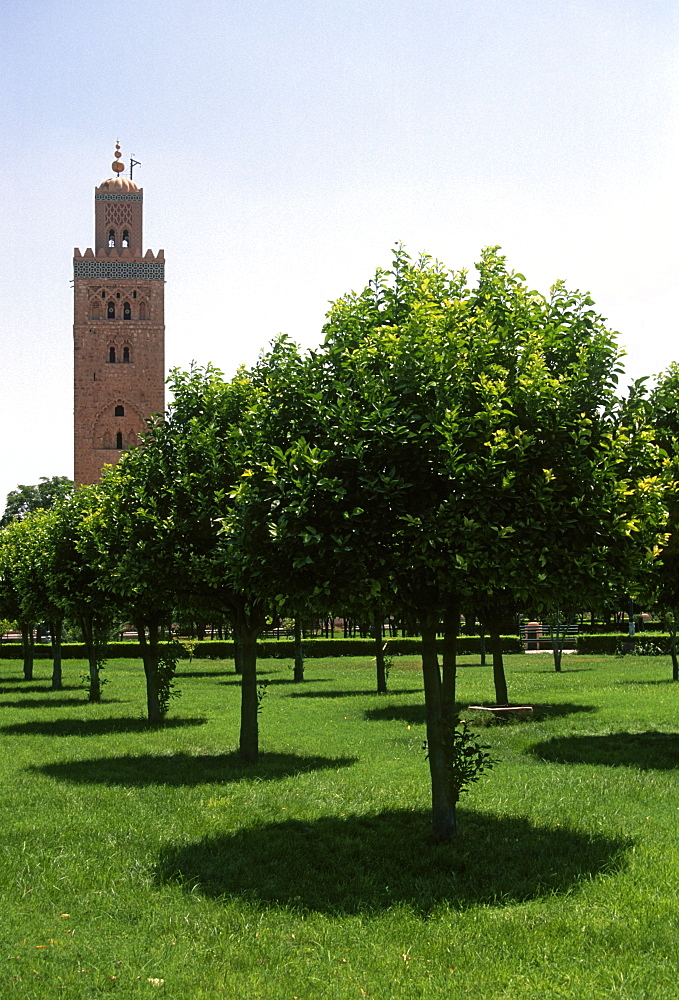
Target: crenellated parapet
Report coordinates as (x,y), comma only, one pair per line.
(119,264)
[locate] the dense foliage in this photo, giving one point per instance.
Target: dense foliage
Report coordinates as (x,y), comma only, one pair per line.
(447,447)
(43,496)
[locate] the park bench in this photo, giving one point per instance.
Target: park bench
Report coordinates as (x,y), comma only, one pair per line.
(536,637)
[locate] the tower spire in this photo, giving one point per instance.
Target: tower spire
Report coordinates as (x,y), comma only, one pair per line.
(117,166)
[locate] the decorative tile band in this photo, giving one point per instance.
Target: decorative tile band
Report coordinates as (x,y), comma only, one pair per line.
(118,269)
(119,197)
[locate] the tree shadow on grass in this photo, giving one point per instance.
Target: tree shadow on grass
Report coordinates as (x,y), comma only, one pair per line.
(286,681)
(560,710)
(186,769)
(369,863)
(37,687)
(415,715)
(650,751)
(278,680)
(663,680)
(204,673)
(565,669)
(92,727)
(57,702)
(348,694)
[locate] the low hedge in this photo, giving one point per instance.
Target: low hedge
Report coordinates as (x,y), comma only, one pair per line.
(218,649)
(608,645)
(319,648)
(71,651)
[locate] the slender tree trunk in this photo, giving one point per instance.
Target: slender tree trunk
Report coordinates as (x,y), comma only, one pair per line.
(499,679)
(149,655)
(451,628)
(557,634)
(379,652)
(558,639)
(56,630)
(444,820)
(673,650)
(482,643)
(27,649)
(299,652)
(249,705)
(91,646)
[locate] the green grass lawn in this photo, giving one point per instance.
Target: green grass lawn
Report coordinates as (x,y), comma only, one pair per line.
(137,862)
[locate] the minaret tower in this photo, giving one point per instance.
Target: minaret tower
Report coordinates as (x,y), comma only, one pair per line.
(118,330)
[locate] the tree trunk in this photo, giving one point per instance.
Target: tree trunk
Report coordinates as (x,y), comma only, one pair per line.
(482,644)
(299,652)
(499,679)
(439,716)
(249,705)
(558,640)
(451,628)
(56,629)
(149,655)
(557,634)
(92,649)
(673,650)
(27,649)
(237,655)
(379,653)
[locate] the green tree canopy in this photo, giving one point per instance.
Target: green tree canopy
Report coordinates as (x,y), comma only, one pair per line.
(453,445)
(25,499)
(27,558)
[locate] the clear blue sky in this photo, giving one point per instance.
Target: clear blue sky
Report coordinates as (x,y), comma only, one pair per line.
(285,147)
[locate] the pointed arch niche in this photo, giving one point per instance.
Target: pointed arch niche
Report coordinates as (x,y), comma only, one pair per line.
(117,426)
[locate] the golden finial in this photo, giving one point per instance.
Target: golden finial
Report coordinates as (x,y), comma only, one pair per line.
(117,165)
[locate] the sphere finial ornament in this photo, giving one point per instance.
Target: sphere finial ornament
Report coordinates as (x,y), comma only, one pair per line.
(117,165)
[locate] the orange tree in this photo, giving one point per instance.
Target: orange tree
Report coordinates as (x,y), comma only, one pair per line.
(166,533)
(76,578)
(135,552)
(663,407)
(452,445)
(13,606)
(28,556)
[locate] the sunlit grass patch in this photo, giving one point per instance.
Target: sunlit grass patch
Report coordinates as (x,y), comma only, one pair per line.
(132,855)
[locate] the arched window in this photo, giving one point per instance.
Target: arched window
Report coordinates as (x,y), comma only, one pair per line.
(112,355)
(119,439)
(120,411)
(111,237)
(103,294)
(126,237)
(106,441)
(127,310)
(111,311)
(126,354)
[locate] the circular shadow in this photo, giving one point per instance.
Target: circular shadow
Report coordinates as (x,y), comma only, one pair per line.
(367,863)
(650,751)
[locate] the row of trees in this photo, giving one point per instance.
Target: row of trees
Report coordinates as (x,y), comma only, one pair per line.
(446,449)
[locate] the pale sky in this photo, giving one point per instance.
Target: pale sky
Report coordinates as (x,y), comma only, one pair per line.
(285,147)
